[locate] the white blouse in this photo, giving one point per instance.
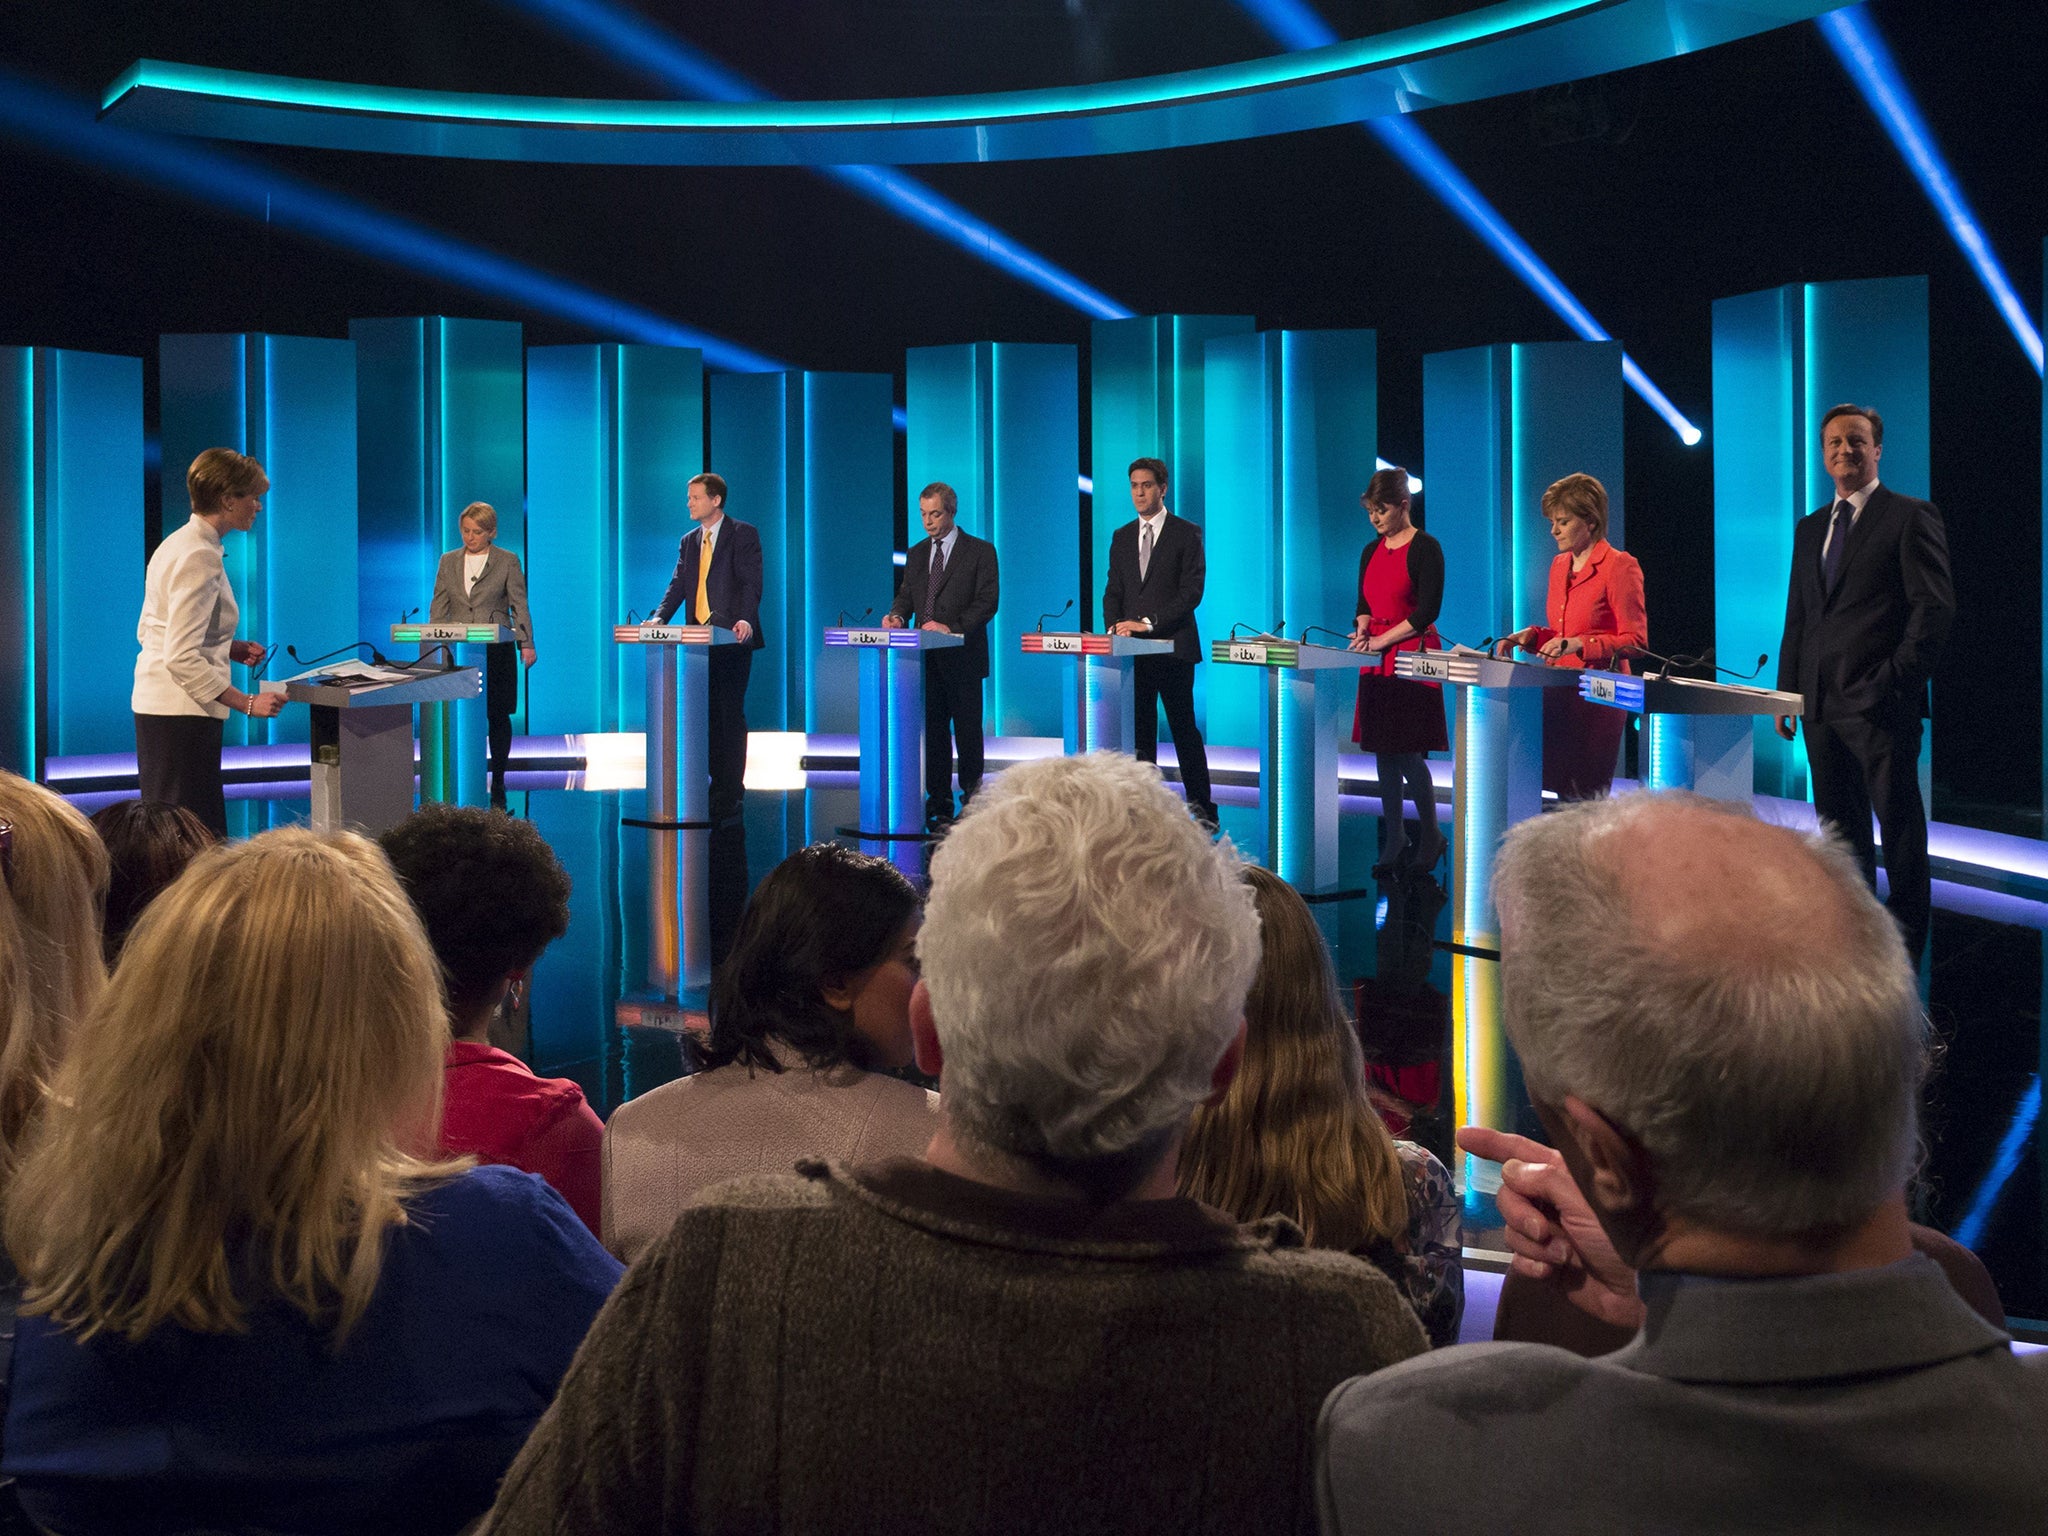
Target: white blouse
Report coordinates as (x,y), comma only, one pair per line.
(189,615)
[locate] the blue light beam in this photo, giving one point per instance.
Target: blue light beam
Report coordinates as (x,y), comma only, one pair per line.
(1294,25)
(61,125)
(1970,1230)
(634,43)
(1864,54)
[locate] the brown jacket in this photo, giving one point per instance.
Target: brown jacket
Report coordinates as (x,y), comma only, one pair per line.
(900,1349)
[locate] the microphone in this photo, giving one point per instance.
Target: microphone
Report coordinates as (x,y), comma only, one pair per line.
(1751,673)
(406,617)
(376,655)
(1240,624)
(632,616)
(1279,628)
(1343,639)
(447,651)
(1060,614)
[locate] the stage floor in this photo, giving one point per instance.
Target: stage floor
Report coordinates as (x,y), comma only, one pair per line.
(1983,1177)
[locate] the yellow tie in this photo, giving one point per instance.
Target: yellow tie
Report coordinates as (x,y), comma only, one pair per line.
(703,576)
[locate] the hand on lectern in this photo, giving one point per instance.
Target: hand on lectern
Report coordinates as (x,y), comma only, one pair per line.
(891,621)
(742,631)
(1787,726)
(262,706)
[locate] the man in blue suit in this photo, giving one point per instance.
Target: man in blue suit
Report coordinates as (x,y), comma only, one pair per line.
(718,582)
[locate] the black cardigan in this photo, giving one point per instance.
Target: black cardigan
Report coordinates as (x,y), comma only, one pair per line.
(1425,570)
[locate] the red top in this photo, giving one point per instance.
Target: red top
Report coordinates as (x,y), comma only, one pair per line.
(1387,596)
(496,1109)
(1600,605)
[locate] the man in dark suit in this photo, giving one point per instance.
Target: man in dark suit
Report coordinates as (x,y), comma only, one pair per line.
(718,582)
(949,586)
(1156,572)
(1869,606)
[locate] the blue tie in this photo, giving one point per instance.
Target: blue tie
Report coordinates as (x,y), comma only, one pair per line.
(1838,545)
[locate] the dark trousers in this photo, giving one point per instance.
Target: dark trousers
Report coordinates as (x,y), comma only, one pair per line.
(177,760)
(1868,763)
(501,699)
(952,712)
(1170,680)
(731,666)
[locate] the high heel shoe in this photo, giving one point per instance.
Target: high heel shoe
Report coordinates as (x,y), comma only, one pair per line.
(1391,864)
(1422,858)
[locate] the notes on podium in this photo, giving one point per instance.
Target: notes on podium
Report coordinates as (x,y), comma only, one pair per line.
(892,767)
(1096,712)
(677,821)
(1697,735)
(362,735)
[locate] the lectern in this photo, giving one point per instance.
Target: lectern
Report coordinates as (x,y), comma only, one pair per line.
(1096,705)
(892,766)
(1697,735)
(454,738)
(677,820)
(1306,688)
(362,736)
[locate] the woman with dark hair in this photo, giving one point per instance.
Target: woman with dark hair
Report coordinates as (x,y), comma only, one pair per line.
(1399,721)
(493,897)
(1295,1135)
(148,846)
(809,1009)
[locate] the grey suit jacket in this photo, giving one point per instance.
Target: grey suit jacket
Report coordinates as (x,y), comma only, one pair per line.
(1872,1401)
(498,598)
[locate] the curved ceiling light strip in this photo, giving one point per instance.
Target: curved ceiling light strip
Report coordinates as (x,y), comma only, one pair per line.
(1508,46)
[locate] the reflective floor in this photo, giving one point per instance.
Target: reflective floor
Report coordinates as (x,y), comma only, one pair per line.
(1983,1176)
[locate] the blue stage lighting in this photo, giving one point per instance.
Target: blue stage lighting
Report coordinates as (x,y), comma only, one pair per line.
(59,124)
(637,44)
(1970,1230)
(1295,25)
(1855,39)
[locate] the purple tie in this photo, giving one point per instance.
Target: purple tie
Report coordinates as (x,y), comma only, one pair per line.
(938,568)
(1838,544)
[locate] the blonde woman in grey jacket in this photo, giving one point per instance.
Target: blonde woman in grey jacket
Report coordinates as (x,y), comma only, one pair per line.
(483,584)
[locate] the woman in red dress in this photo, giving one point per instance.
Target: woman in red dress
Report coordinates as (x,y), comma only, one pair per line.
(1594,617)
(1399,721)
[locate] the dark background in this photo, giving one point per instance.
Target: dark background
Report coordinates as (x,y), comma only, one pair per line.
(1731,170)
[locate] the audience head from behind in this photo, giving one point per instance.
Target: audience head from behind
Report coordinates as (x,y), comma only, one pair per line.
(492,895)
(1720,1029)
(53,875)
(148,846)
(821,968)
(1087,951)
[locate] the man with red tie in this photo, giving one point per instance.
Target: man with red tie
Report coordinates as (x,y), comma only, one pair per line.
(718,574)
(1869,606)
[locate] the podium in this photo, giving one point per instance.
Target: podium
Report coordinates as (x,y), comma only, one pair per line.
(1697,735)
(362,736)
(1306,689)
(454,741)
(1096,705)
(1497,781)
(677,820)
(892,768)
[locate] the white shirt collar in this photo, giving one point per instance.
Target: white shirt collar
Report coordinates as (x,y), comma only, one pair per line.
(1858,500)
(1152,520)
(710,526)
(952,536)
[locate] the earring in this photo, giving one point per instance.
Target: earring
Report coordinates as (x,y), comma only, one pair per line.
(514,996)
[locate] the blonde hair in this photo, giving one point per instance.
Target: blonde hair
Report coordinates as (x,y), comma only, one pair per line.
(241,1105)
(217,474)
(51,971)
(1295,1135)
(483,514)
(1583,497)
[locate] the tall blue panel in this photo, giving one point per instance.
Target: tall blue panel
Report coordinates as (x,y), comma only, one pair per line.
(71,553)
(757,445)
(1291,438)
(1001,423)
(441,422)
(290,403)
(1499,424)
(613,434)
(849,481)
(1781,358)
(1145,400)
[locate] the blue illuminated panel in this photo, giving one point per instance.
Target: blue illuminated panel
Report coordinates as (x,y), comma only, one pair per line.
(849,479)
(613,434)
(1241,442)
(441,422)
(756,444)
(71,558)
(1001,423)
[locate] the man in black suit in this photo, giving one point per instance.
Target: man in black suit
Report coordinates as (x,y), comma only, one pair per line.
(1156,572)
(718,581)
(1869,607)
(949,586)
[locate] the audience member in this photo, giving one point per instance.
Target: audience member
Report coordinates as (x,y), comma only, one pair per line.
(1296,1135)
(1721,1031)
(53,873)
(493,898)
(1027,1330)
(808,1011)
(149,843)
(250,1302)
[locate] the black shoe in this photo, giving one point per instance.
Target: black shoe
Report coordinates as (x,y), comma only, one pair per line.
(1420,859)
(938,820)
(1204,812)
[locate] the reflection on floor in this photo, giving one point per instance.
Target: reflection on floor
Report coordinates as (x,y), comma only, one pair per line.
(1983,1175)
